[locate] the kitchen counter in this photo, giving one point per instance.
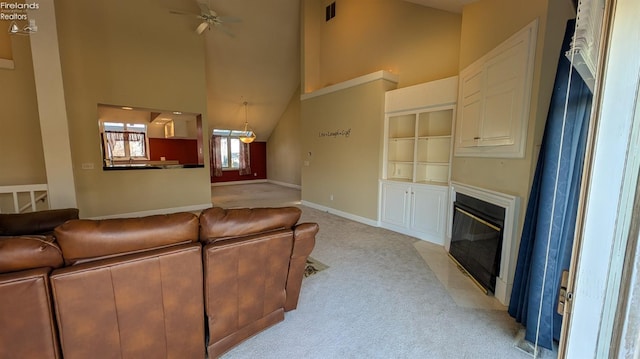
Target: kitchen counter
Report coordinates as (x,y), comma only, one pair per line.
(148,166)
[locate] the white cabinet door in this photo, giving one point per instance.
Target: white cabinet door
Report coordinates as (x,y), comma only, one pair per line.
(427,214)
(394,203)
(494,96)
(469,118)
(503,99)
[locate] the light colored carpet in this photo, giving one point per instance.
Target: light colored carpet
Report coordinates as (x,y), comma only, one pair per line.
(254,195)
(378,299)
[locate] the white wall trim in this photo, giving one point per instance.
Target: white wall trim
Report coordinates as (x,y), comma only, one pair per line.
(52,110)
(231,183)
(194,208)
(346,215)
(379,75)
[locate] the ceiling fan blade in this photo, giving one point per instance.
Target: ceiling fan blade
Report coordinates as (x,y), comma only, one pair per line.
(205,9)
(179,12)
(229,19)
(221,27)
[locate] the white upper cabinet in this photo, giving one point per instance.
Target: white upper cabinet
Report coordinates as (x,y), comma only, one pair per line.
(494,96)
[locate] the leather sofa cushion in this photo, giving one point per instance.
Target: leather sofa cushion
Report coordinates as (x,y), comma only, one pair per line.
(83,240)
(27,328)
(144,305)
(17,224)
(28,252)
(218,224)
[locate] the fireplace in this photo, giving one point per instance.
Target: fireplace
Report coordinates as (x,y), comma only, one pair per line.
(507,207)
(476,239)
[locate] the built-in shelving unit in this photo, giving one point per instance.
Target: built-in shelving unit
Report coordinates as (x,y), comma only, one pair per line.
(417,157)
(419,146)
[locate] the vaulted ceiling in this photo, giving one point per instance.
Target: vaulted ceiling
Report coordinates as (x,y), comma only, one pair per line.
(257,60)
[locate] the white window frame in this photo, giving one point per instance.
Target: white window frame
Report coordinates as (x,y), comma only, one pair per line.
(229,135)
(127,127)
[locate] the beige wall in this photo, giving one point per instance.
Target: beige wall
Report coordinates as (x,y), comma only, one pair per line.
(283,147)
(415,42)
(136,54)
(418,44)
(5,42)
(347,167)
(21,157)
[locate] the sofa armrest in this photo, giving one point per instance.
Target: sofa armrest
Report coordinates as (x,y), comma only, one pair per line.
(29,252)
(304,239)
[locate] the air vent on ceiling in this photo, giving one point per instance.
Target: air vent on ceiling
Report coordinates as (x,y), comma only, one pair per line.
(330,11)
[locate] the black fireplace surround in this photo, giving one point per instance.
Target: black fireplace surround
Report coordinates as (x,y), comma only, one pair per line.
(476,239)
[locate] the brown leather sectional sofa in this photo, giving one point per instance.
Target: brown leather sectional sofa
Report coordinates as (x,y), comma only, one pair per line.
(166,286)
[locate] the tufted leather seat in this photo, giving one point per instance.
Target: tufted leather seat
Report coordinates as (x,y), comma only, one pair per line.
(131,288)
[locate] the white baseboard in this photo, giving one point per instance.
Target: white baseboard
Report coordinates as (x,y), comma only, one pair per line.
(231,183)
(194,208)
(284,184)
(346,215)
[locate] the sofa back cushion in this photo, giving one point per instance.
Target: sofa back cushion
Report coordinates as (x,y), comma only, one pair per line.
(245,286)
(84,240)
(219,224)
(17,224)
(28,252)
(143,305)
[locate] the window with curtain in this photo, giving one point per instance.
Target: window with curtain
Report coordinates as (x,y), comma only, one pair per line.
(229,152)
(125,141)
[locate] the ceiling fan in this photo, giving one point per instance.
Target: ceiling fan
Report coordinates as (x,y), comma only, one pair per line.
(209,17)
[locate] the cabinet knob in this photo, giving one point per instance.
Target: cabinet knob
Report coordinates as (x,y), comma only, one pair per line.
(476,138)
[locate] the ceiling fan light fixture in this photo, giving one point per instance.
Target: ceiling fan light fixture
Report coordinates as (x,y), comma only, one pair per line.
(247,134)
(203,26)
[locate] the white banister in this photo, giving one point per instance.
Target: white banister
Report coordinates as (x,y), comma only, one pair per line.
(31,189)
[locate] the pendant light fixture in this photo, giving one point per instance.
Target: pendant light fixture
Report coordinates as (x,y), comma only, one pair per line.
(247,134)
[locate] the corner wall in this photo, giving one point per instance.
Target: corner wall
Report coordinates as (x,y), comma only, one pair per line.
(284,150)
(342,147)
(417,43)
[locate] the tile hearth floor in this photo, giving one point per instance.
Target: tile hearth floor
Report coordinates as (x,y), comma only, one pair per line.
(461,288)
